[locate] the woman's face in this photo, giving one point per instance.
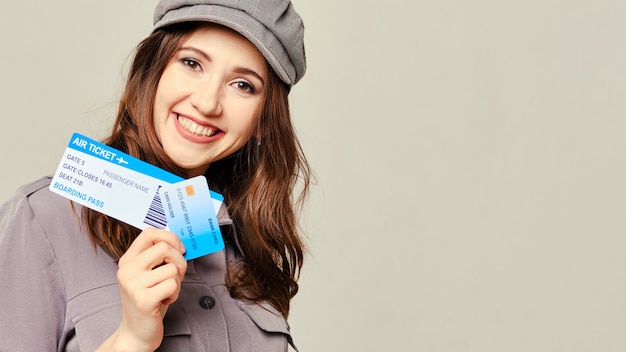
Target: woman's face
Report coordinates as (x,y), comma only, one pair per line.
(208,98)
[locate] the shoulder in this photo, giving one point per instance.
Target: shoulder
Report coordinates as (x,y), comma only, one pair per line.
(27,190)
(36,214)
(18,206)
(38,195)
(35,201)
(33,193)
(30,257)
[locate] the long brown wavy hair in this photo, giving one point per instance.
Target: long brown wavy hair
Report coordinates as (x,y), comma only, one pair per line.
(257,182)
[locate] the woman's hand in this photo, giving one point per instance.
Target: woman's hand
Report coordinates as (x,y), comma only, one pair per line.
(149,275)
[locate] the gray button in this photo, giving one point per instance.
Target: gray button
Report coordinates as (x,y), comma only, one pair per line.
(207,302)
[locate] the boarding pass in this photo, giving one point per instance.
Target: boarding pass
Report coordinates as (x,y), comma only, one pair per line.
(140,194)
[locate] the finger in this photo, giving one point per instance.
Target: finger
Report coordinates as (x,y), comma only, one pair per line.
(166,292)
(164,287)
(153,265)
(149,237)
(153,288)
(159,254)
(154,277)
(152,236)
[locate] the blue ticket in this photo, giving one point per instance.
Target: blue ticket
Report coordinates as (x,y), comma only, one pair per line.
(128,189)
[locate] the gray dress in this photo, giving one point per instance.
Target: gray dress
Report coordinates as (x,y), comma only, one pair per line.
(59,293)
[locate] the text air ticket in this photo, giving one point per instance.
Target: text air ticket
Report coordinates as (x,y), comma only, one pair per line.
(126,188)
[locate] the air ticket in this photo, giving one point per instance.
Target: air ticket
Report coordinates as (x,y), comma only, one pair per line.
(128,189)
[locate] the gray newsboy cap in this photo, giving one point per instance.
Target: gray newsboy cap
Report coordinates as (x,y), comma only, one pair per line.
(273,26)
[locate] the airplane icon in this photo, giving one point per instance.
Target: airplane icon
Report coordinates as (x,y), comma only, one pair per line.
(121,160)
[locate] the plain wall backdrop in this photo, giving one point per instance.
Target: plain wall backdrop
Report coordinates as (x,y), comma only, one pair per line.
(470,159)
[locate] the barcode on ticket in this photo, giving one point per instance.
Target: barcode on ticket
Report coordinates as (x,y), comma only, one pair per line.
(156,214)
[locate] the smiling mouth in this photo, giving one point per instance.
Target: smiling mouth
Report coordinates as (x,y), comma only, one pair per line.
(193,128)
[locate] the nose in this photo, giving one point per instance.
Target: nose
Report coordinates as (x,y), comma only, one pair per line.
(206,98)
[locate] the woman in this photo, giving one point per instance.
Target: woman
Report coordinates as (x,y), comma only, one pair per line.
(206,95)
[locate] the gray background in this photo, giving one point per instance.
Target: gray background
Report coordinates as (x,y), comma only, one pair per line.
(469,155)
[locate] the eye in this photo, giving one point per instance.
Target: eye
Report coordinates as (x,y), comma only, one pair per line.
(244,86)
(191,63)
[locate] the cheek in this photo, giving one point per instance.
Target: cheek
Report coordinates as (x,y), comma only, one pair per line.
(160,96)
(158,122)
(247,127)
(166,91)
(160,106)
(253,120)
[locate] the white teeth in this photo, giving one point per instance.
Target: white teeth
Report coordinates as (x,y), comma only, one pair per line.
(193,127)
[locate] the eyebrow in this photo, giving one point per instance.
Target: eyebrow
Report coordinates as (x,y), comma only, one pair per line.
(238,69)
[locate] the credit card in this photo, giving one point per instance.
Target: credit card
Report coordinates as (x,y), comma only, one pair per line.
(187,215)
(121,186)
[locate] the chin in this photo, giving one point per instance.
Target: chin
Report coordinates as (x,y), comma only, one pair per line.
(194,169)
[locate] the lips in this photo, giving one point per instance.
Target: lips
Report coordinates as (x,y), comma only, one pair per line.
(193,128)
